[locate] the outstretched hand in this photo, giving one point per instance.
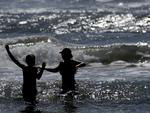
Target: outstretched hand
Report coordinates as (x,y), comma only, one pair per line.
(7,47)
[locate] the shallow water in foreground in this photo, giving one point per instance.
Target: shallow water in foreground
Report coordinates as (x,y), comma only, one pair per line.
(111,36)
(71,107)
(113,88)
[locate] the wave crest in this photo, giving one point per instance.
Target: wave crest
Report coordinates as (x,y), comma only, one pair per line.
(128,53)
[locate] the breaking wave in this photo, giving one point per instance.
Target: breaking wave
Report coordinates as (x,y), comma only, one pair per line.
(47,49)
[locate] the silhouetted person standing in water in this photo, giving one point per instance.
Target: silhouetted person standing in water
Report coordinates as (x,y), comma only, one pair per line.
(67,69)
(30,74)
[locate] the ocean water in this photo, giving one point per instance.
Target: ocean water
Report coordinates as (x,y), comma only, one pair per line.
(111,36)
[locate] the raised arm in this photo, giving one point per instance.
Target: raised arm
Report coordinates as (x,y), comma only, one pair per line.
(81,64)
(13,58)
(39,75)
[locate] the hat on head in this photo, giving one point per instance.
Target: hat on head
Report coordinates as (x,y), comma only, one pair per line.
(66,51)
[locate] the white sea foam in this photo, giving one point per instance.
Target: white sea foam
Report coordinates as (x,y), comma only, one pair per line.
(47,49)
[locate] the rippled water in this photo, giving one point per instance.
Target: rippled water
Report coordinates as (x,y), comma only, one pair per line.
(111,36)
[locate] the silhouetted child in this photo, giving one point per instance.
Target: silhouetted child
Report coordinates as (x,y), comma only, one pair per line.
(67,69)
(30,74)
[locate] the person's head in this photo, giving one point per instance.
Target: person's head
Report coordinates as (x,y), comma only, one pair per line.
(66,54)
(30,60)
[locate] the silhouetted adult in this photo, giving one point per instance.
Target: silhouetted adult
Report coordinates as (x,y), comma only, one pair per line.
(67,69)
(30,74)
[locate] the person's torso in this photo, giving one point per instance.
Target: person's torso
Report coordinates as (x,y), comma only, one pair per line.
(29,77)
(67,68)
